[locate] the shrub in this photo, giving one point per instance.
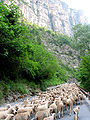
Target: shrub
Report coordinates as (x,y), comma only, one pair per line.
(84,72)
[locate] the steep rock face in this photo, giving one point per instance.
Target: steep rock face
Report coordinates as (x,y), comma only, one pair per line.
(66,53)
(52,14)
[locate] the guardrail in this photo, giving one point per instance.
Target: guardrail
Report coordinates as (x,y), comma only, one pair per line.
(87,94)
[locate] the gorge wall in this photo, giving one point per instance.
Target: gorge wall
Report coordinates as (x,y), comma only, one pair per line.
(53,14)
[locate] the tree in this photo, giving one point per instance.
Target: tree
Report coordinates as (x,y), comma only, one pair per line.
(82,38)
(11,45)
(84,71)
(21,53)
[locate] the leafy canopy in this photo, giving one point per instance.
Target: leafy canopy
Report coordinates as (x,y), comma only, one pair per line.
(84,72)
(82,38)
(21,53)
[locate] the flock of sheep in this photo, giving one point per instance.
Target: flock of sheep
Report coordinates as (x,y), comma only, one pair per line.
(46,105)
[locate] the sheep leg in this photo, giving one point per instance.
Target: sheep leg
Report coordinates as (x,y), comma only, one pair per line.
(80,101)
(59,114)
(75,103)
(74,115)
(62,112)
(66,107)
(56,111)
(70,111)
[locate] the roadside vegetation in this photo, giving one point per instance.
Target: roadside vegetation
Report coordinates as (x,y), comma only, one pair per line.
(24,60)
(81,40)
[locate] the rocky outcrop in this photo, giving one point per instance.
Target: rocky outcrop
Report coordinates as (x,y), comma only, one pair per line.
(52,14)
(68,55)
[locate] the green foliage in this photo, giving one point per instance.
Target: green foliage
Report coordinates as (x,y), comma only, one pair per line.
(5,87)
(39,63)
(82,38)
(23,56)
(84,72)
(69,71)
(57,38)
(19,87)
(11,46)
(70,52)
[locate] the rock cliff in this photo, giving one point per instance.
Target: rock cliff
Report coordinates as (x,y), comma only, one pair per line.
(53,14)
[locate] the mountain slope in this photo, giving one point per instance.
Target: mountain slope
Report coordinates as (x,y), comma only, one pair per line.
(52,14)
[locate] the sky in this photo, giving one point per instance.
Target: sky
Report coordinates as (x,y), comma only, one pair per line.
(80,5)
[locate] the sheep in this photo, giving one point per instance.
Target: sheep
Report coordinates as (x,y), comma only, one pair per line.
(54,107)
(60,107)
(52,117)
(43,107)
(5,108)
(26,109)
(29,105)
(35,108)
(40,115)
(14,97)
(76,111)
(52,100)
(22,96)
(9,117)
(70,103)
(22,116)
(80,96)
(3,114)
(26,101)
(75,99)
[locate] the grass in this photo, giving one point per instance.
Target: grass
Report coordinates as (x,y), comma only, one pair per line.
(21,86)
(51,82)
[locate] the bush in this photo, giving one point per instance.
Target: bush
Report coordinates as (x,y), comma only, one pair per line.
(22,54)
(38,63)
(84,72)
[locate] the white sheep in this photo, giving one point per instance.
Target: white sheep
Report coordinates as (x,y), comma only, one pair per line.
(40,115)
(26,109)
(26,101)
(54,107)
(9,117)
(76,111)
(60,107)
(22,116)
(70,103)
(80,96)
(43,107)
(52,117)
(5,108)
(3,114)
